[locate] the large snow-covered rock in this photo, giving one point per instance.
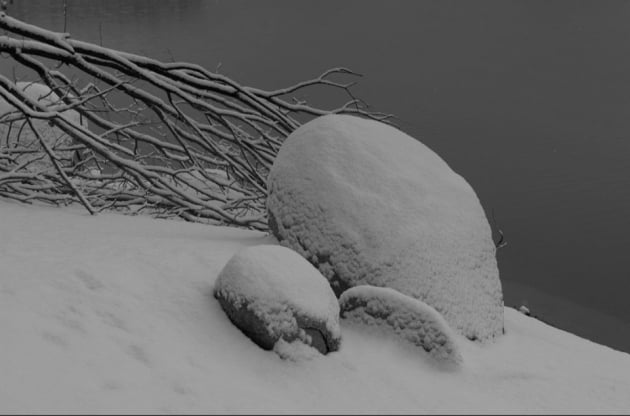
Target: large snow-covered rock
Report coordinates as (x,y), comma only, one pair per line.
(407,317)
(19,134)
(368,204)
(272,294)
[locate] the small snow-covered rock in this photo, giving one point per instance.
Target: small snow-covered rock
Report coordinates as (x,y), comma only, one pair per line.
(368,204)
(20,135)
(272,293)
(409,318)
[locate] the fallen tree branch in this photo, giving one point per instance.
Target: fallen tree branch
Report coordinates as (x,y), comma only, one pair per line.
(120,131)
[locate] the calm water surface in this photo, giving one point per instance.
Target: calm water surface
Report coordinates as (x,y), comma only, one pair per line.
(528,100)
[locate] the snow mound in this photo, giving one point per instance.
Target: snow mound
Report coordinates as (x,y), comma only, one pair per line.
(19,135)
(271,293)
(368,204)
(409,318)
(295,351)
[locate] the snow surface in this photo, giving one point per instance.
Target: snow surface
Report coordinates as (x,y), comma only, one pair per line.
(369,204)
(115,314)
(409,318)
(275,283)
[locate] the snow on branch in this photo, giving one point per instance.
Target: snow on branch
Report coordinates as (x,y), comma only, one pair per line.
(114,130)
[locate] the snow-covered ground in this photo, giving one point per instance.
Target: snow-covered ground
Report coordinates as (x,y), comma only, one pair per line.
(115,314)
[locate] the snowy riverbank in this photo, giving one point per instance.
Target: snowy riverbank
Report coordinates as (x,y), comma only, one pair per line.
(115,314)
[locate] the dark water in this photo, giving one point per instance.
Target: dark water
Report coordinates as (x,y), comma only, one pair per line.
(528,100)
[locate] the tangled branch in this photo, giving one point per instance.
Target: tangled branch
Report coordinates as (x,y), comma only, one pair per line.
(115,130)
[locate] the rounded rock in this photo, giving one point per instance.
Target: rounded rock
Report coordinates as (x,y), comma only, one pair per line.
(368,204)
(270,293)
(410,319)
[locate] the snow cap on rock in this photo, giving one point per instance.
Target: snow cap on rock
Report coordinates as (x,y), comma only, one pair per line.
(368,204)
(411,319)
(270,292)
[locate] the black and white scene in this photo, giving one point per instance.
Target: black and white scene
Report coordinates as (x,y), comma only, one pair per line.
(314,206)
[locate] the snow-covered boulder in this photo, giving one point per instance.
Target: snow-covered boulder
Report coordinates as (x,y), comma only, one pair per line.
(368,204)
(271,293)
(409,318)
(19,135)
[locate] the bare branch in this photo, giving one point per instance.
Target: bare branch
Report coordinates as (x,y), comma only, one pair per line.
(120,131)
